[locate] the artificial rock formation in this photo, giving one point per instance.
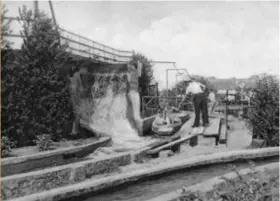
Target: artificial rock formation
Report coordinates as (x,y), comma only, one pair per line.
(110,102)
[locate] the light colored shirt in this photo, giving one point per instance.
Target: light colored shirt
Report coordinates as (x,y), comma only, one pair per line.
(195,88)
(211,97)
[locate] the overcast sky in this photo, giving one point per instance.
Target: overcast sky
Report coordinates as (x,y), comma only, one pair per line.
(222,39)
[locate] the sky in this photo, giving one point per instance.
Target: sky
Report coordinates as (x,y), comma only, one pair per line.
(223,39)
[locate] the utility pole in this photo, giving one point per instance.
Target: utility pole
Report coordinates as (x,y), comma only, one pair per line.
(36,8)
(52,11)
(54,20)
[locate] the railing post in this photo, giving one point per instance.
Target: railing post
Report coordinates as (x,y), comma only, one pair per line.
(157,93)
(226,111)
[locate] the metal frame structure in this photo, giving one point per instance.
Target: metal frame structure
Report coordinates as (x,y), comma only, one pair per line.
(177,69)
(150,98)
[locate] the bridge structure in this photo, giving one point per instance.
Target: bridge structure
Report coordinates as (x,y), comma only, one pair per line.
(76,44)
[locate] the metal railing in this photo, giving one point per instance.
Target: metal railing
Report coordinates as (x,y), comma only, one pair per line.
(82,46)
(150,104)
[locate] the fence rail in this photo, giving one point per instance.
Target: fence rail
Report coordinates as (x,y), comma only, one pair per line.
(150,104)
(82,46)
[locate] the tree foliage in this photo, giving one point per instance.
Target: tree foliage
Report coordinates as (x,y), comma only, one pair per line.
(147,72)
(6,58)
(35,99)
(181,86)
(264,117)
(5,30)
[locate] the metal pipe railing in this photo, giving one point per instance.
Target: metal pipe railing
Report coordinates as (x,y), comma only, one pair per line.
(90,46)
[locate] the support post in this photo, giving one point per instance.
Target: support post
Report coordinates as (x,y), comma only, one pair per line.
(242,99)
(226,111)
(157,95)
(167,82)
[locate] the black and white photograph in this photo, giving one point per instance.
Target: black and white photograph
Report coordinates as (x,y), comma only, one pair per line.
(139,100)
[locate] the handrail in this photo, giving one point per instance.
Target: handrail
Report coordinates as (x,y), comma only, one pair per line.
(108,53)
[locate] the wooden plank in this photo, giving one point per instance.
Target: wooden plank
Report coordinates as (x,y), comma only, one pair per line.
(223,134)
(213,128)
(172,144)
(163,142)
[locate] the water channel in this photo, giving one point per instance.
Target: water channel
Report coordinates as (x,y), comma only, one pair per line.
(156,186)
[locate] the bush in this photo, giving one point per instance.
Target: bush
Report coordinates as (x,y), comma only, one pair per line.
(44,142)
(146,74)
(253,187)
(35,99)
(264,116)
(6,146)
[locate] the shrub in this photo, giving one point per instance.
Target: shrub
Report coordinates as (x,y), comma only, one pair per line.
(35,99)
(146,74)
(264,117)
(253,187)
(6,146)
(44,142)
(256,187)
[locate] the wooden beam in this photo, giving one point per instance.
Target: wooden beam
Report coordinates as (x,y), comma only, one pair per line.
(172,144)
(223,134)
(214,127)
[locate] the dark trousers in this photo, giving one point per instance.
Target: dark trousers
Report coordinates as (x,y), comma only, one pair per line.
(200,104)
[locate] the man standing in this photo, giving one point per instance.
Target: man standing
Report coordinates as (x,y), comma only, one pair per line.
(200,94)
(78,84)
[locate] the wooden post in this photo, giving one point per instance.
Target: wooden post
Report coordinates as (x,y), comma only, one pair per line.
(167,82)
(226,111)
(143,107)
(242,99)
(157,95)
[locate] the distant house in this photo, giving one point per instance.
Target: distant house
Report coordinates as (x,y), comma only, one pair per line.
(223,92)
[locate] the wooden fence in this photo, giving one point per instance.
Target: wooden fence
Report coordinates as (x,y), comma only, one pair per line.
(82,46)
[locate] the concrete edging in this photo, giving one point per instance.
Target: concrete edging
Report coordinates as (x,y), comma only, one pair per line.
(90,186)
(208,186)
(17,165)
(32,182)
(37,181)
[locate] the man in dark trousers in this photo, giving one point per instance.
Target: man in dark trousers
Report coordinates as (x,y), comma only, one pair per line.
(199,92)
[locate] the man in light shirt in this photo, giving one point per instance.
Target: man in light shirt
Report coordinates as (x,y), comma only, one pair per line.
(199,92)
